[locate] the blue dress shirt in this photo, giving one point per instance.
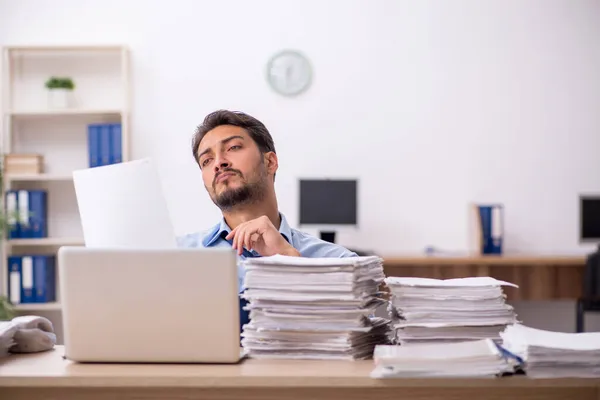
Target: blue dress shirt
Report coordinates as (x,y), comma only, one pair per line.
(307,245)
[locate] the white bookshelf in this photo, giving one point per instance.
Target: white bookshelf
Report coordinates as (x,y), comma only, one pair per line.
(31,125)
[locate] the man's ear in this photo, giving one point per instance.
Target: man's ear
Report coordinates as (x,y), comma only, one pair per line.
(272,162)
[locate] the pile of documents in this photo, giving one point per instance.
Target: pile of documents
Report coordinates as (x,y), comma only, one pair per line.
(7,333)
(548,354)
(314,308)
(480,358)
(451,310)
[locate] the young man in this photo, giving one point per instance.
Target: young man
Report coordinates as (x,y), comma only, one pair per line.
(236,155)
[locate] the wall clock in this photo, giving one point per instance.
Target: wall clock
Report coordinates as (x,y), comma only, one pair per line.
(289,73)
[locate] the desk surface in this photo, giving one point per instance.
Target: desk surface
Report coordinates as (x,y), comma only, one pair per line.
(49,369)
(47,375)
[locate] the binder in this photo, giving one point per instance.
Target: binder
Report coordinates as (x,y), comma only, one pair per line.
(11,214)
(38,214)
(44,278)
(489,221)
(33,214)
(23,214)
(104,144)
(27,280)
(94,145)
(116,152)
(32,279)
(14,279)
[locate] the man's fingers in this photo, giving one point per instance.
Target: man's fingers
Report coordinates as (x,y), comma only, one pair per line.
(244,236)
(230,234)
(254,238)
(239,241)
(248,239)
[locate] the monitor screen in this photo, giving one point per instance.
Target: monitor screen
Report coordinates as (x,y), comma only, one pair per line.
(328,202)
(590,217)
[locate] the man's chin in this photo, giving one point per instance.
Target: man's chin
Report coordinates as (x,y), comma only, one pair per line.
(227,199)
(227,186)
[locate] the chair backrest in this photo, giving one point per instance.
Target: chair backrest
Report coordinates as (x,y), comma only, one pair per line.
(591,277)
(362,252)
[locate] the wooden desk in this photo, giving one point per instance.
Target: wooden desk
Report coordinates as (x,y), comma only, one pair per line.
(48,376)
(539,278)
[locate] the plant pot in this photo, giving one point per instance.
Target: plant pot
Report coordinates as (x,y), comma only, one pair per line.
(60,98)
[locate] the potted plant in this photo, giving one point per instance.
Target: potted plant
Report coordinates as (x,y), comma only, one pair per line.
(60,91)
(7,311)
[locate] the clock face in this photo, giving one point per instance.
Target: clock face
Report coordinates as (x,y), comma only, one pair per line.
(289,73)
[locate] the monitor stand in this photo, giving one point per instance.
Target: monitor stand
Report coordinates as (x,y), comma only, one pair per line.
(328,236)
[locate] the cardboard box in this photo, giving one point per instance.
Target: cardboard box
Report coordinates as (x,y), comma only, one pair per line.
(23,164)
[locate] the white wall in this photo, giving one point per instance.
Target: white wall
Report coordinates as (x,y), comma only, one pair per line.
(432,104)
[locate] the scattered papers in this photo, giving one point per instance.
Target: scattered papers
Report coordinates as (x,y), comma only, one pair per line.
(452,310)
(7,333)
(313,308)
(548,354)
(480,358)
(122,205)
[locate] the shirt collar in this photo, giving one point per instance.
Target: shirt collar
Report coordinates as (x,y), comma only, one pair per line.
(222,229)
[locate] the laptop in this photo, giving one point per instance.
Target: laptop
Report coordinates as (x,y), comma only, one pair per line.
(150,305)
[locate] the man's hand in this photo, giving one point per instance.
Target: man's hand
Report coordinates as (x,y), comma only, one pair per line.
(260,235)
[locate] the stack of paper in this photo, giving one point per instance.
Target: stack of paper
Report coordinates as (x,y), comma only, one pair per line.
(449,310)
(548,354)
(320,308)
(480,358)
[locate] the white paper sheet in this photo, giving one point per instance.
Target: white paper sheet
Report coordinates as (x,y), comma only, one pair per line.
(520,335)
(122,205)
(471,282)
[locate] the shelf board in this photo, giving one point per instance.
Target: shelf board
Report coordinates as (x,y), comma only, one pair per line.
(38,177)
(37,306)
(61,48)
(57,241)
(64,112)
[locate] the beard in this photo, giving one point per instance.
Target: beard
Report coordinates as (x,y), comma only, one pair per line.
(249,193)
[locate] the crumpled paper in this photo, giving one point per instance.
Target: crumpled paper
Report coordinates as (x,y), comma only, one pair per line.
(26,334)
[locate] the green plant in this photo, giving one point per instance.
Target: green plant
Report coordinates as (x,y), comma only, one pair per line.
(56,82)
(7,310)
(8,220)
(5,218)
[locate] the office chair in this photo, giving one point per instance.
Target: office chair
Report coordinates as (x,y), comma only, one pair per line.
(361,252)
(590,301)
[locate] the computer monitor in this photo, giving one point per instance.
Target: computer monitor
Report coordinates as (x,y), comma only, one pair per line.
(329,204)
(589,218)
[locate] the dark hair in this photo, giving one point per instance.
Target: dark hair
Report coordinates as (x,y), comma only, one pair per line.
(256,129)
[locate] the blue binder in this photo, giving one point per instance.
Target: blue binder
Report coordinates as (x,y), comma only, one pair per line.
(94,145)
(27,279)
(116,151)
(15,280)
(12,206)
(38,207)
(33,213)
(492,226)
(105,144)
(44,278)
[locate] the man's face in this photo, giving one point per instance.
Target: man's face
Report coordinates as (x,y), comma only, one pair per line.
(233,169)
